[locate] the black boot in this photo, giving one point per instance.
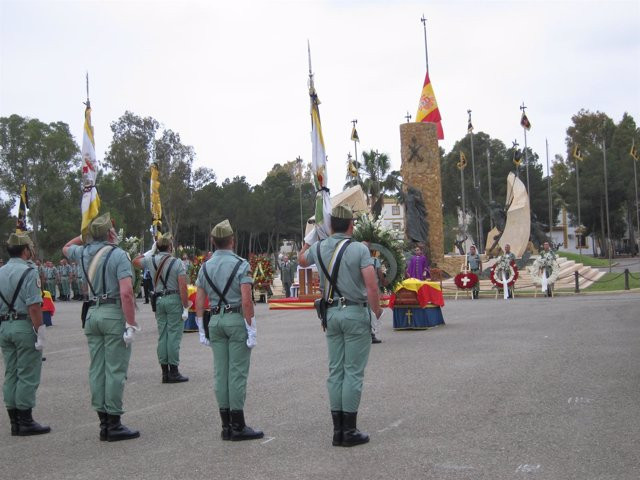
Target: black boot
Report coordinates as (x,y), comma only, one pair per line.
(239,430)
(225,416)
(13,417)
(375,339)
(104,419)
(175,376)
(351,436)
(165,372)
(27,426)
(116,431)
(337,427)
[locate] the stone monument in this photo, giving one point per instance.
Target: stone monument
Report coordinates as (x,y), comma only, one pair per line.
(421,169)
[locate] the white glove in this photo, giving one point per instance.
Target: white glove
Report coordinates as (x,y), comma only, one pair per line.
(185,314)
(203,337)
(129,333)
(252,332)
(152,251)
(40,340)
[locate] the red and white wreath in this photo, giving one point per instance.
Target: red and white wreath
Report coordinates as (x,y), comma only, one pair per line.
(466,280)
(509,269)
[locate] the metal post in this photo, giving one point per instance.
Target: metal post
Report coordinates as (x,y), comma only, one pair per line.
(606,201)
(355,143)
(575,275)
(299,162)
(526,156)
(426,52)
(464,217)
(626,279)
(475,186)
(578,197)
(635,177)
(549,192)
(489,175)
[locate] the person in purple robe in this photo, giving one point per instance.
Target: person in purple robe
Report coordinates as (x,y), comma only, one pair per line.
(418,266)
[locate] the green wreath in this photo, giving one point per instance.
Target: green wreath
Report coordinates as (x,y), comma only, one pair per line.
(384,241)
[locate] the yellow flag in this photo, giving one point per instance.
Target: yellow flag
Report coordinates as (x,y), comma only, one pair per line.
(463,161)
(90,206)
(156,206)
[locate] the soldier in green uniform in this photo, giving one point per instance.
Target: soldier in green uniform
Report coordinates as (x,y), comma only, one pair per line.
(22,335)
(51,274)
(349,317)
(226,280)
(288,274)
(110,325)
(64,271)
(79,277)
(475,266)
(172,303)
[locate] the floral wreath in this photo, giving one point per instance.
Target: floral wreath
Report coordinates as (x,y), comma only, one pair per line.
(540,263)
(262,270)
(194,268)
(472,280)
(385,241)
(510,268)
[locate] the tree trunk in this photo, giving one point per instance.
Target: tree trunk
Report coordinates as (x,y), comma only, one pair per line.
(603,243)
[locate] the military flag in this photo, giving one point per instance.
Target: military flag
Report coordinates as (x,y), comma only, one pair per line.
(156,206)
(352,169)
(21,223)
(634,151)
(463,161)
(319,169)
(90,206)
(469,126)
(524,121)
(354,135)
(577,153)
(428,107)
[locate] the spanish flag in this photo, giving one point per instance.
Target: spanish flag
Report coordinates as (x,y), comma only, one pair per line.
(21,224)
(90,200)
(428,107)
(156,206)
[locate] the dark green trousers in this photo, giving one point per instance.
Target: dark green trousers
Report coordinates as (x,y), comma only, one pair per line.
(22,364)
(349,343)
(170,328)
(231,359)
(109,357)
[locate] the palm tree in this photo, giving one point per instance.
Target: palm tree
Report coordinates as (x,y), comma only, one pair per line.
(374,177)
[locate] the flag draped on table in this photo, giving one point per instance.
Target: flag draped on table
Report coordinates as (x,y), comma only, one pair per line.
(90,206)
(319,169)
(21,224)
(428,107)
(156,206)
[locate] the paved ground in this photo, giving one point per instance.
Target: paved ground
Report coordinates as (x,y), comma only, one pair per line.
(530,388)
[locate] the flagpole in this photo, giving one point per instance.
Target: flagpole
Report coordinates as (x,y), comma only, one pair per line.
(606,202)
(355,142)
(489,175)
(426,51)
(475,185)
(526,157)
(635,178)
(299,162)
(549,190)
(578,198)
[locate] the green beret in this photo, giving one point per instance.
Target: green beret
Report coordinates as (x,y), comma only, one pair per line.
(165,240)
(17,239)
(222,230)
(342,211)
(100,226)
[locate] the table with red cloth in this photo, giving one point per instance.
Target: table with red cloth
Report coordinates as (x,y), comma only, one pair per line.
(417,305)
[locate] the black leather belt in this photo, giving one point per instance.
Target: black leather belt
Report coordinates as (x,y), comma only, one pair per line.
(103,301)
(17,316)
(236,309)
(346,303)
(164,293)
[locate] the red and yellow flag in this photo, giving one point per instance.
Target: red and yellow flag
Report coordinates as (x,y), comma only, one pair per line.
(428,107)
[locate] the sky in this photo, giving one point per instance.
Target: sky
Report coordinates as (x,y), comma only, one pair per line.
(231,76)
